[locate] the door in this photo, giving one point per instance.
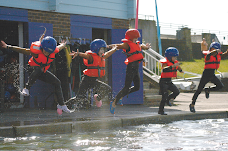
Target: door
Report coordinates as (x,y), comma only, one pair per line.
(119,70)
(41,93)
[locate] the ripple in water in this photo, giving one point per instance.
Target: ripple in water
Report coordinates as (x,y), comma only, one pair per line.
(209,134)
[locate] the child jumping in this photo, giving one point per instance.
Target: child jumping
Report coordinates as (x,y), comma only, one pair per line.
(170,65)
(43,53)
(132,49)
(94,59)
(212,61)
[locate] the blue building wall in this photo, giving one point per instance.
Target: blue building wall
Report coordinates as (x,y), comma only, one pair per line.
(13,14)
(121,9)
(40,90)
(81,26)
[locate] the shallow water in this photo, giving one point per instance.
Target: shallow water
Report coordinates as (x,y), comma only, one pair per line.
(187,135)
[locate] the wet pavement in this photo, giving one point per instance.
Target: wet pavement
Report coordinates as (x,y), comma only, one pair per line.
(21,122)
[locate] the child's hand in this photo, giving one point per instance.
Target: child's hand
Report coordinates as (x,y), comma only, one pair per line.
(74,54)
(114,47)
(3,44)
(110,46)
(148,45)
(63,42)
(175,65)
(218,50)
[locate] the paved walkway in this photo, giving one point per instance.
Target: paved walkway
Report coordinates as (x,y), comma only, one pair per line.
(21,122)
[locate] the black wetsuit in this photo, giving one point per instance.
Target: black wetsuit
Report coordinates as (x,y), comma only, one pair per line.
(132,74)
(99,87)
(165,85)
(37,72)
(207,76)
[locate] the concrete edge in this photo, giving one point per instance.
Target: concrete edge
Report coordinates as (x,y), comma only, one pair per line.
(162,119)
(7,132)
(57,128)
(84,126)
(106,123)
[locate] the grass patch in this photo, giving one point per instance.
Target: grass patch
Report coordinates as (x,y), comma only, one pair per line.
(197,66)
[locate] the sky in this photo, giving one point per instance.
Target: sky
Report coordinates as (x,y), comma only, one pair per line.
(208,16)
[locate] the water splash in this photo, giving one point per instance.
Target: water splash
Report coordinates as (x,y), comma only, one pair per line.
(11,76)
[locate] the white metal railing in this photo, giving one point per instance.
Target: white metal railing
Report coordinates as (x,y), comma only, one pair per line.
(152,64)
(152,69)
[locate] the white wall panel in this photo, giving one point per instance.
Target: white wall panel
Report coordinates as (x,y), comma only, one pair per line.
(26,4)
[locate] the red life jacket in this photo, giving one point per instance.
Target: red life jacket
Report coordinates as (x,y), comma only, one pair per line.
(213,62)
(42,60)
(135,53)
(170,73)
(97,68)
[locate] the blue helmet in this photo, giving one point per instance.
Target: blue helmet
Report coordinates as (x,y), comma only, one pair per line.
(171,52)
(215,45)
(49,44)
(97,44)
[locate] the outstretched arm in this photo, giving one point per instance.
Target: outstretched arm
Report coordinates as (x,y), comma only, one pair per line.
(119,46)
(62,45)
(180,69)
(80,54)
(166,67)
(213,53)
(110,52)
(16,48)
(126,46)
(225,54)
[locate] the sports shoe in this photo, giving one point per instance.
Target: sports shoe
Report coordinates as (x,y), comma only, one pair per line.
(192,108)
(112,109)
(64,108)
(59,111)
(207,92)
(25,92)
(98,103)
(120,102)
(162,113)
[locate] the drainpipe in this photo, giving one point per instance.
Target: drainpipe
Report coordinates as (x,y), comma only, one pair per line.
(137,12)
(158,30)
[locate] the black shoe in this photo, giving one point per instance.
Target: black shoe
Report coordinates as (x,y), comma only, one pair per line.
(162,113)
(207,92)
(192,108)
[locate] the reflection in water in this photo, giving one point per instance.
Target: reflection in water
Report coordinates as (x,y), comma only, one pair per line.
(209,134)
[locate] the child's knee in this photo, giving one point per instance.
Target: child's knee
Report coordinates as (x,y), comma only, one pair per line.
(178,92)
(137,88)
